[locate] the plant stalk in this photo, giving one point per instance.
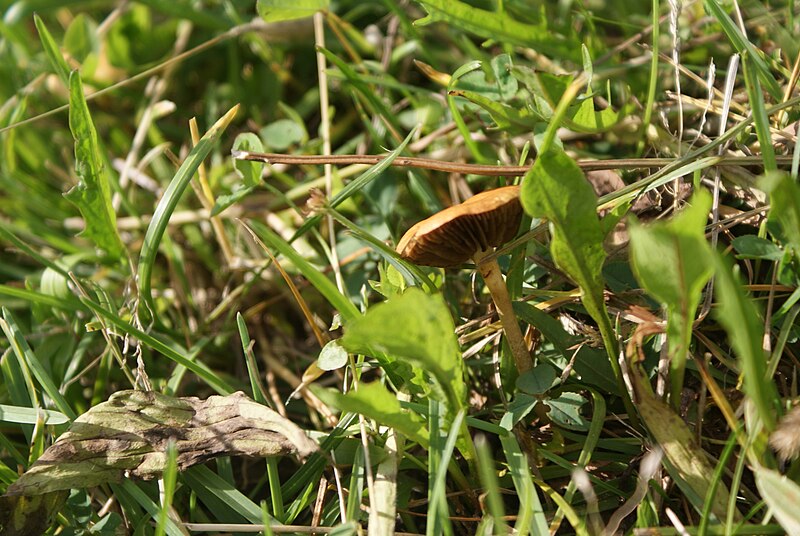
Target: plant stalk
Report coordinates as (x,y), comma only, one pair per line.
(490,271)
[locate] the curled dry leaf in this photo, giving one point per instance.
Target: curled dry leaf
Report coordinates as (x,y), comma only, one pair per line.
(128,435)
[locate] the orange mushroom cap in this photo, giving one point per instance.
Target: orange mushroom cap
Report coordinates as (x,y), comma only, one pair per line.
(455,234)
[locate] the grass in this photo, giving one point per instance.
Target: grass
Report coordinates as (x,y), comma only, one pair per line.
(659,297)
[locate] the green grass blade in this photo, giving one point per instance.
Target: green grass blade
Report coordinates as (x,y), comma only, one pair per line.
(202,371)
(166,206)
(486,468)
(759,113)
(356,185)
(744,47)
(28,360)
(52,50)
(23,415)
(217,491)
(169,478)
(325,286)
(129,491)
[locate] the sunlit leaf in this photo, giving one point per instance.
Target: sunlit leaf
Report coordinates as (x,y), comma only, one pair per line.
(92,194)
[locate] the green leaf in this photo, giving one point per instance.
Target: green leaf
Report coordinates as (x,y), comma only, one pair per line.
(92,194)
(248,170)
(566,411)
(755,247)
(417,328)
(278,10)
(332,356)
(52,51)
(782,496)
(503,87)
(738,314)
(556,189)
(538,380)
(282,134)
(506,116)
(672,262)
(374,401)
(499,26)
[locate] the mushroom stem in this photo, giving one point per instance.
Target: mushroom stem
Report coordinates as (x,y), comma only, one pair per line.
(490,271)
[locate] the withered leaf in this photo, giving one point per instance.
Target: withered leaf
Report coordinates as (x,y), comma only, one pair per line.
(128,436)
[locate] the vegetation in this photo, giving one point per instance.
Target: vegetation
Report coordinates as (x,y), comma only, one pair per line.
(147,273)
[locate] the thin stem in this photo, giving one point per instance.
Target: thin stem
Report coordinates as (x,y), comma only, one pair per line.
(482,169)
(490,271)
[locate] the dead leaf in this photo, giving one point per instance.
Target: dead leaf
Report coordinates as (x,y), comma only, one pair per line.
(128,435)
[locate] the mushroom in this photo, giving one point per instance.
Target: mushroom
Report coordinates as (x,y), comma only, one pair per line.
(472,230)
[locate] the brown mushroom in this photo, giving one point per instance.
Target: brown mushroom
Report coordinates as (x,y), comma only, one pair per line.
(472,230)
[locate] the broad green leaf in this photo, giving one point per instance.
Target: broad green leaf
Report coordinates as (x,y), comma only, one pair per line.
(672,262)
(503,87)
(332,356)
(755,247)
(374,401)
(283,133)
(166,206)
(784,199)
(782,496)
(566,411)
(738,314)
(538,380)
(92,194)
(53,52)
(249,171)
(583,117)
(417,328)
(278,10)
(556,189)
(499,26)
